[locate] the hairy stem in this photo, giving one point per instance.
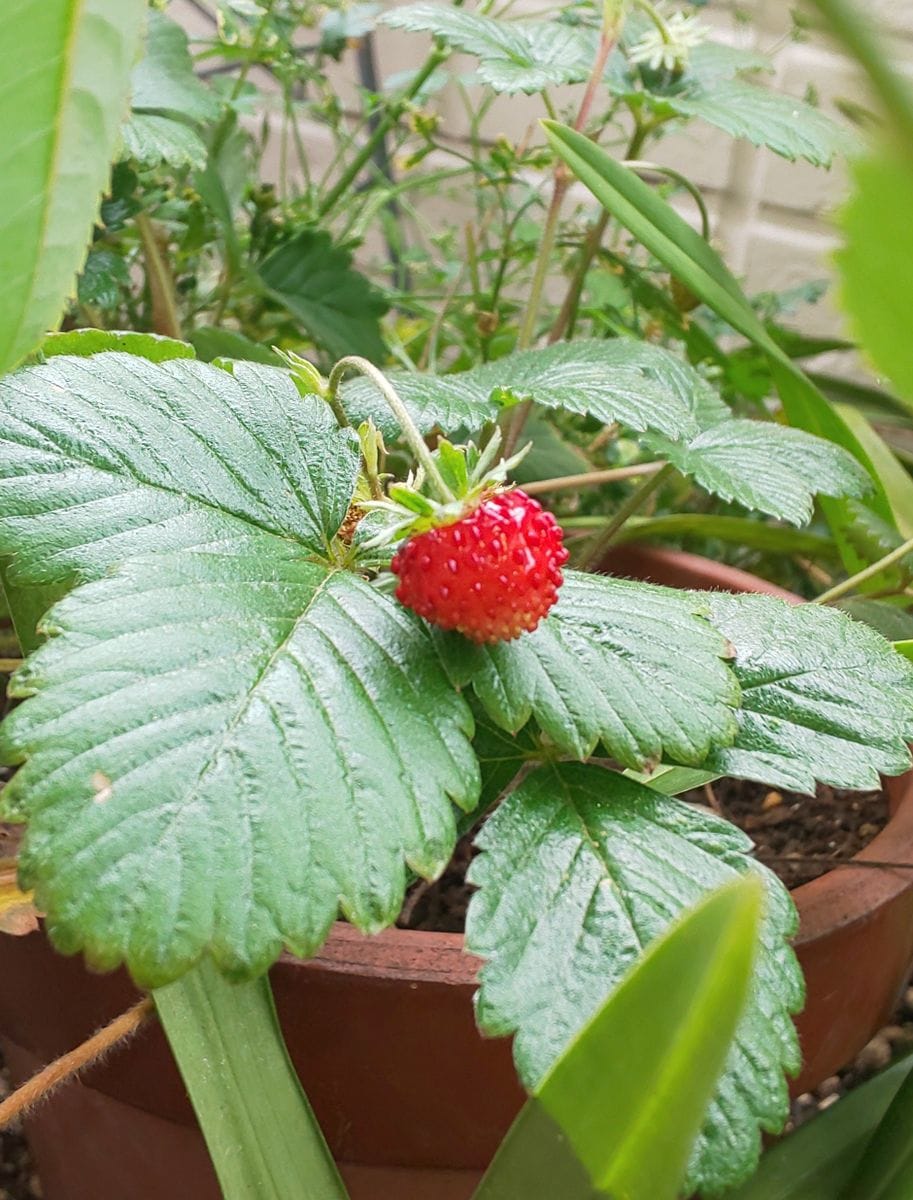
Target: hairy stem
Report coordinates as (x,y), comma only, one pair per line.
(851,584)
(407,425)
(591,478)
(62,1069)
(640,494)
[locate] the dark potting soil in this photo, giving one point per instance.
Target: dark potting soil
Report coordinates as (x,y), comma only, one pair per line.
(798,837)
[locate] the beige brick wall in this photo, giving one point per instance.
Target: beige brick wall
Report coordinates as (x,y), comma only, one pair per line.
(770,217)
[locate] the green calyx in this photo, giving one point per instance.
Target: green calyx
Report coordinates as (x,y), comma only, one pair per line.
(470,474)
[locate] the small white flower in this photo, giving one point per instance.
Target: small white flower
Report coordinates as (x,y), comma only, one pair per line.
(669,51)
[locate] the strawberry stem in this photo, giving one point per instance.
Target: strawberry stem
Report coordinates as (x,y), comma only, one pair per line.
(407,425)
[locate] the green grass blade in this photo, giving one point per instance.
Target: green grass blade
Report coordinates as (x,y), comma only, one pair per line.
(815,1162)
(693,261)
(619,1112)
(65,66)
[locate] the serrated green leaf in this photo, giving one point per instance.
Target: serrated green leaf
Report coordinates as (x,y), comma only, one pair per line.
(824,697)
(108,457)
(163,80)
(66,69)
(103,277)
(598,669)
(874,264)
(771,468)
(514,56)
(712,61)
(790,127)
(151,138)
(222,751)
(637,384)
(628,1096)
(580,870)
(86,342)
(338,306)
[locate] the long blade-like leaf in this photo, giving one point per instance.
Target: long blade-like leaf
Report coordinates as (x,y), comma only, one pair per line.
(815,1162)
(692,260)
(65,66)
(619,1112)
(886,1169)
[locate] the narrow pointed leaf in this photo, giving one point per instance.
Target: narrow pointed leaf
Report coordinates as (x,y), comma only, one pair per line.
(885,1171)
(581,870)
(66,70)
(628,1097)
(260,1131)
(817,1160)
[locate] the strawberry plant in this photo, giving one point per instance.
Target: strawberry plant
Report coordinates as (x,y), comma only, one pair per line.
(233,733)
(291,636)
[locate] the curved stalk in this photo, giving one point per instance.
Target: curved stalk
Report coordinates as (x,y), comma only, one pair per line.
(692,189)
(407,425)
(631,505)
(849,585)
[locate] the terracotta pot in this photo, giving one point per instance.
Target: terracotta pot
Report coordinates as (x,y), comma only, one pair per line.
(412,1100)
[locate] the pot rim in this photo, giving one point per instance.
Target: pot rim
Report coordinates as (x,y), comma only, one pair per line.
(842,897)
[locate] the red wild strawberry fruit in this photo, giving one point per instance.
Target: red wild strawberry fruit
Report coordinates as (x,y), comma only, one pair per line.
(492,574)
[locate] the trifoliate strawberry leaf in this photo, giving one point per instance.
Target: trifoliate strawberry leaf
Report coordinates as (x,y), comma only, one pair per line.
(640,385)
(771,468)
(340,308)
(109,457)
(635,667)
(580,870)
(514,56)
(223,751)
(824,698)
